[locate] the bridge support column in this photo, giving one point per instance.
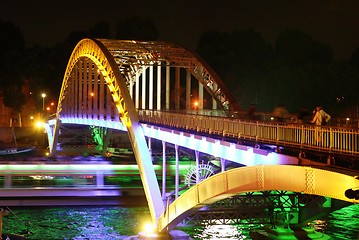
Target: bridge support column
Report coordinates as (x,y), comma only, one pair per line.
(106,141)
(177,171)
(168,72)
(223,164)
(196,153)
(150,91)
(143,99)
(214,102)
(137,90)
(200,96)
(150,147)
(164,170)
(177,88)
(7,181)
(55,137)
(99,179)
(188,90)
(159,86)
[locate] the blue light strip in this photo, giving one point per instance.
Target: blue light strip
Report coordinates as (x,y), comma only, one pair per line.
(241,154)
(230,151)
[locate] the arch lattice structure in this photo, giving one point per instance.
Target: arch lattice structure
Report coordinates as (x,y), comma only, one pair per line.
(96,86)
(257,178)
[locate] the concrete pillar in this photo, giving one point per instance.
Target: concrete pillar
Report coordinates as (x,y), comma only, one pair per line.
(214,102)
(55,137)
(159,80)
(95,91)
(177,172)
(102,97)
(89,89)
(143,99)
(223,165)
(150,91)
(80,96)
(168,90)
(177,88)
(188,90)
(131,88)
(200,96)
(150,147)
(84,86)
(164,170)
(75,92)
(137,90)
(7,181)
(197,165)
(99,179)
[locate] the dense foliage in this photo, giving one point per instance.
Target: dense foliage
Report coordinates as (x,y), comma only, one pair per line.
(297,72)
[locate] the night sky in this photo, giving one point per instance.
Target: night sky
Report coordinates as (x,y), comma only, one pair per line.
(332,22)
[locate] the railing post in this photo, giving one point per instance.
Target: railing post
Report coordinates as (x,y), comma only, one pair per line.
(302,136)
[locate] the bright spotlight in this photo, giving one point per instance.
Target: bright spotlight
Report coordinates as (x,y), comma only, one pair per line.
(148,228)
(148,232)
(39,124)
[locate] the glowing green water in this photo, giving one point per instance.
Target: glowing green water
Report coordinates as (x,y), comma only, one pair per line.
(115,223)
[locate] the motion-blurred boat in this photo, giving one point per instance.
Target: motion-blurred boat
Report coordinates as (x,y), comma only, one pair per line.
(9,151)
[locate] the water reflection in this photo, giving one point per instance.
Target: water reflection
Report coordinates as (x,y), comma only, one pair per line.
(76,222)
(221,232)
(82,223)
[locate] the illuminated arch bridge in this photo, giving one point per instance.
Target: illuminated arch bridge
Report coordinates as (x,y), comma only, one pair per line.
(108,80)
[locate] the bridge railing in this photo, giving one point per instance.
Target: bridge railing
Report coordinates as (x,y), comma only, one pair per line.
(331,139)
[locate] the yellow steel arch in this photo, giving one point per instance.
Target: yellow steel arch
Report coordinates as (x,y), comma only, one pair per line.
(102,58)
(257,178)
(131,55)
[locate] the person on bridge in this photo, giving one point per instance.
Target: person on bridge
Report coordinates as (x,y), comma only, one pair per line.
(320,116)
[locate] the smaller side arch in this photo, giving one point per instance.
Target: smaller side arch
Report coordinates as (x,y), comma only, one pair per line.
(257,178)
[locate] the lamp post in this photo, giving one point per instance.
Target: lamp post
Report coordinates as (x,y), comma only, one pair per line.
(43,95)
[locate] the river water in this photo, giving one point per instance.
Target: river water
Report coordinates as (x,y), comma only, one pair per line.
(112,222)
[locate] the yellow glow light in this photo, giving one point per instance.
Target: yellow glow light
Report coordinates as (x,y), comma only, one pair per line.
(195,104)
(148,228)
(39,124)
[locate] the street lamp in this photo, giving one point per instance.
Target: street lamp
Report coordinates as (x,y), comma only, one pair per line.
(43,101)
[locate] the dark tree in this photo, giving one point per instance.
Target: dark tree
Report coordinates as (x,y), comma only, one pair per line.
(354,59)
(102,29)
(14,98)
(11,38)
(239,58)
(297,48)
(136,28)
(11,66)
